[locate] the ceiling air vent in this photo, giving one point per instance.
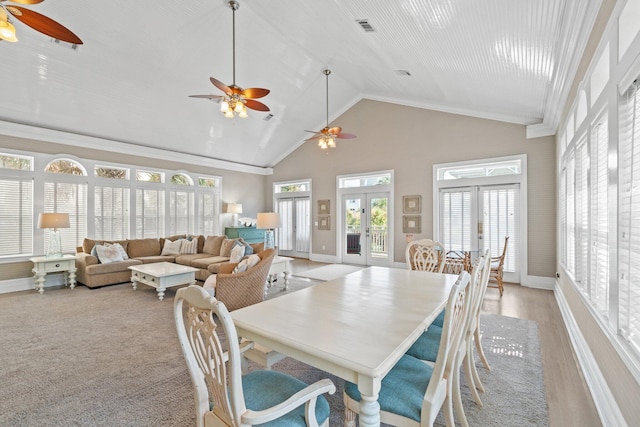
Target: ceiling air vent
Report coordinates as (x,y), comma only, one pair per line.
(268,117)
(364,23)
(402,72)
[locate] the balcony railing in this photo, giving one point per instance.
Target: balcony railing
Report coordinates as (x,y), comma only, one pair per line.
(378,240)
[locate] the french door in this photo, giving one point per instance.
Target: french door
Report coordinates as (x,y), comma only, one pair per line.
(479,218)
(294,234)
(365,234)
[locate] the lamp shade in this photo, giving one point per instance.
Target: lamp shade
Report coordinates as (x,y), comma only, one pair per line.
(53,220)
(235,208)
(268,220)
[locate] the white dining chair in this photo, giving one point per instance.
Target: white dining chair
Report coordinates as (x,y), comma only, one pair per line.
(425,255)
(225,397)
(413,392)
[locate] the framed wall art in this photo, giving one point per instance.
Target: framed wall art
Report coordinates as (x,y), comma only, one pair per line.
(324,207)
(411,204)
(324,223)
(412,224)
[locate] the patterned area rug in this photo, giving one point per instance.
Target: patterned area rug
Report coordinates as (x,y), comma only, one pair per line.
(111,357)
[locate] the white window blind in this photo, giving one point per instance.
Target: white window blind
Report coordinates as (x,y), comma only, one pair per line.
(181,212)
(563,216)
(599,223)
(149,213)
(629,217)
(16,216)
(571,217)
(71,198)
(111,213)
(208,213)
(498,208)
(456,219)
(303,224)
(285,232)
(582,216)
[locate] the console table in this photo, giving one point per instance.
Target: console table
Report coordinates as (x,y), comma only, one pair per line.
(42,265)
(248,234)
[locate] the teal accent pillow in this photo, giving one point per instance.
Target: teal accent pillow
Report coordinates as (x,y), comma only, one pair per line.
(403,388)
(248,250)
(264,389)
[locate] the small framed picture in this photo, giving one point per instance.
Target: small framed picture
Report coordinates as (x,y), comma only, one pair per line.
(411,204)
(324,223)
(412,224)
(324,207)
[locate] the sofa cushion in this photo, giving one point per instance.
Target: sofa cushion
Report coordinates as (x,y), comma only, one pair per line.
(257,247)
(143,248)
(212,244)
(157,258)
(113,267)
(187,259)
(227,245)
(206,262)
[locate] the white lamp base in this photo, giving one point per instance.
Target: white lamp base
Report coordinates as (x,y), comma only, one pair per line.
(269,240)
(55,245)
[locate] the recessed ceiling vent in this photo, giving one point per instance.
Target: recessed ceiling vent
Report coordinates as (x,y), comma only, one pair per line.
(268,117)
(364,23)
(402,72)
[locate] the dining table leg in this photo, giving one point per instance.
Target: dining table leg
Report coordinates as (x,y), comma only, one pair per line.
(369,411)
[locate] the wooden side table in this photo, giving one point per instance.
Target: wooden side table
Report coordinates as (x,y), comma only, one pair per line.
(43,265)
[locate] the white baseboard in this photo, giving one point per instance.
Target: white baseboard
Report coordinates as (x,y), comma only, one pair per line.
(539,282)
(26,283)
(606,405)
(332,259)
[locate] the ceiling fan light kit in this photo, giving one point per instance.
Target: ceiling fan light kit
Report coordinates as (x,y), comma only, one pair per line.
(235,99)
(327,136)
(8,31)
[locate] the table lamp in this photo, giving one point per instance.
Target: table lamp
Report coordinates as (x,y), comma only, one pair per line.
(234,209)
(268,221)
(54,221)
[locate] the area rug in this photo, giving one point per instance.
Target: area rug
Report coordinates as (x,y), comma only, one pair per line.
(329,272)
(111,357)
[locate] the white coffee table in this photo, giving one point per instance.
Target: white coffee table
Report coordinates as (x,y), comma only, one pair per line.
(162,275)
(280,264)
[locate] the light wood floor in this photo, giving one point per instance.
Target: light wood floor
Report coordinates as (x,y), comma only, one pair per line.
(569,400)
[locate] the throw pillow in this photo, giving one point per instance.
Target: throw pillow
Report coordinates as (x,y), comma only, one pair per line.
(253,261)
(189,246)
(237,252)
(107,254)
(248,249)
(123,253)
(241,267)
(210,285)
(227,245)
(212,244)
(171,248)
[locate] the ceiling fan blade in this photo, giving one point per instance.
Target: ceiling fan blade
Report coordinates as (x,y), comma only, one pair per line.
(255,105)
(343,135)
(255,92)
(43,24)
(223,87)
(26,1)
(336,130)
(206,96)
(313,131)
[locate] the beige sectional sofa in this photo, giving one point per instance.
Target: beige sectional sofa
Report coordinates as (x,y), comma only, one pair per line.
(212,252)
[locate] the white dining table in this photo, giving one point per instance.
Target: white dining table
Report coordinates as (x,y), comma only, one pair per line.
(356,327)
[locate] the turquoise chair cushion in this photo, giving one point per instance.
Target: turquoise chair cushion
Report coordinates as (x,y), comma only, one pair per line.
(426,347)
(439,321)
(264,389)
(403,388)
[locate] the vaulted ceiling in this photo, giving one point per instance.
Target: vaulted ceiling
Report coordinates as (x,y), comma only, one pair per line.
(509,60)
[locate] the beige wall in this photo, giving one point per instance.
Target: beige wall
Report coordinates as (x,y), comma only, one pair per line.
(410,141)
